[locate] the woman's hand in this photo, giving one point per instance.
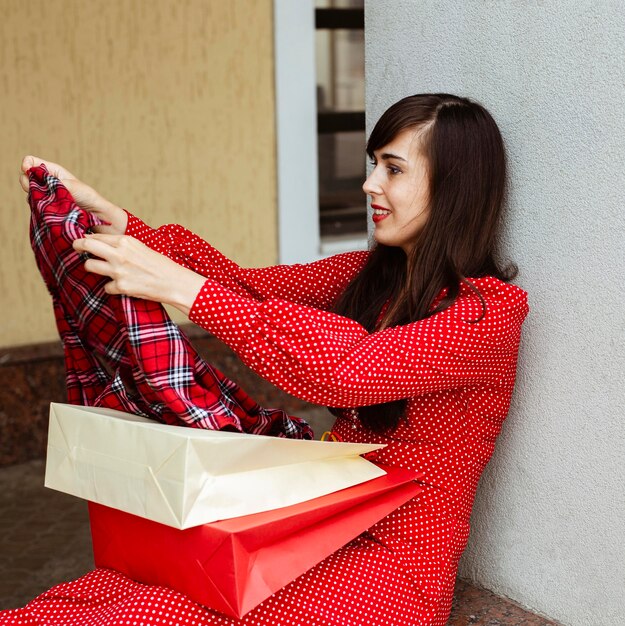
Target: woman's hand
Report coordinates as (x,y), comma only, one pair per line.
(138,271)
(85,197)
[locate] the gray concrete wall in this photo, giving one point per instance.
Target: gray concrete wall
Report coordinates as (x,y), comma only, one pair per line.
(549,521)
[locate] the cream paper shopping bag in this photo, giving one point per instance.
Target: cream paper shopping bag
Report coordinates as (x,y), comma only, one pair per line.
(185,477)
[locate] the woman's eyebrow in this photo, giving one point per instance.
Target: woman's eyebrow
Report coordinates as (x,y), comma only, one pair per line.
(389,155)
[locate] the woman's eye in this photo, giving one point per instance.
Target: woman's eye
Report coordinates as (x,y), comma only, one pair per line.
(373,162)
(394,170)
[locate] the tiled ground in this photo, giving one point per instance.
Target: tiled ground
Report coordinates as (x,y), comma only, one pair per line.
(44,540)
(44,535)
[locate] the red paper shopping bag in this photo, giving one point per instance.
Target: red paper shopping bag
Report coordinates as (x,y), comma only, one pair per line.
(233,565)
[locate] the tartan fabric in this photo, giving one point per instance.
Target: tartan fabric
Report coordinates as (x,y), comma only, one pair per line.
(125,353)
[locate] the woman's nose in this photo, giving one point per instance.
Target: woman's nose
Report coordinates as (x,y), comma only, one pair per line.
(371,186)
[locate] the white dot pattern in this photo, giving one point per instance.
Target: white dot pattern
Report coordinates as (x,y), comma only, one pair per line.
(459,377)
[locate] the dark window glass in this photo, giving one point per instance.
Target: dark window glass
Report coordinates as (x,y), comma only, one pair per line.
(341,118)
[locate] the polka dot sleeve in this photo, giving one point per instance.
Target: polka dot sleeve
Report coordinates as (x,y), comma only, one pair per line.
(315,284)
(328,359)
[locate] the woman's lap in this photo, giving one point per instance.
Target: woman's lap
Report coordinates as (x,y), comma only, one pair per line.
(363,583)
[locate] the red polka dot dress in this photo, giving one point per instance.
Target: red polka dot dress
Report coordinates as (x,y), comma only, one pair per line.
(459,377)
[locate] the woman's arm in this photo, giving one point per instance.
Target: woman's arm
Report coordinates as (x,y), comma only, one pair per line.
(328,359)
(320,356)
(315,284)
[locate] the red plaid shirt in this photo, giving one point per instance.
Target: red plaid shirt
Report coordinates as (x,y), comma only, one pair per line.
(125,353)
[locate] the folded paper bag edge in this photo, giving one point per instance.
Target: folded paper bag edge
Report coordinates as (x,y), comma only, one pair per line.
(66,417)
(201,437)
(79,472)
(313,475)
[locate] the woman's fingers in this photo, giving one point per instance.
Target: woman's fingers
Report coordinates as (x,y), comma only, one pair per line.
(98,266)
(138,271)
(55,169)
(104,259)
(87,198)
(28,162)
(108,238)
(112,289)
(58,171)
(99,245)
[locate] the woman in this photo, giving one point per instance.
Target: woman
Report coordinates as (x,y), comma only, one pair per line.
(413,344)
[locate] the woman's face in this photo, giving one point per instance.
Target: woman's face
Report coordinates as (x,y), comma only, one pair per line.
(399,190)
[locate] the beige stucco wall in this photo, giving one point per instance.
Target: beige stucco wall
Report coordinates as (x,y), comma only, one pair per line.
(166,107)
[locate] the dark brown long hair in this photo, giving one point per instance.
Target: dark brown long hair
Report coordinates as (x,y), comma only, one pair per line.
(466,165)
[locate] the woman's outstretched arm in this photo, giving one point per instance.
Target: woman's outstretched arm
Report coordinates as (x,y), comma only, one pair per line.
(320,356)
(315,284)
(312,284)
(328,359)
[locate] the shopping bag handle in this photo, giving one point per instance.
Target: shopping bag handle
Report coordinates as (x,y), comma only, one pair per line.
(329,435)
(332,436)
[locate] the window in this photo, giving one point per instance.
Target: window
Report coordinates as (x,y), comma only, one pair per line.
(340,80)
(320,126)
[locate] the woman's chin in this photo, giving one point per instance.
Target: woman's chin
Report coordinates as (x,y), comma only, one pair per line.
(380,238)
(377,237)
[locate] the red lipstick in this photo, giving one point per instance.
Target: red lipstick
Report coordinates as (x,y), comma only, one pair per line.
(379,216)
